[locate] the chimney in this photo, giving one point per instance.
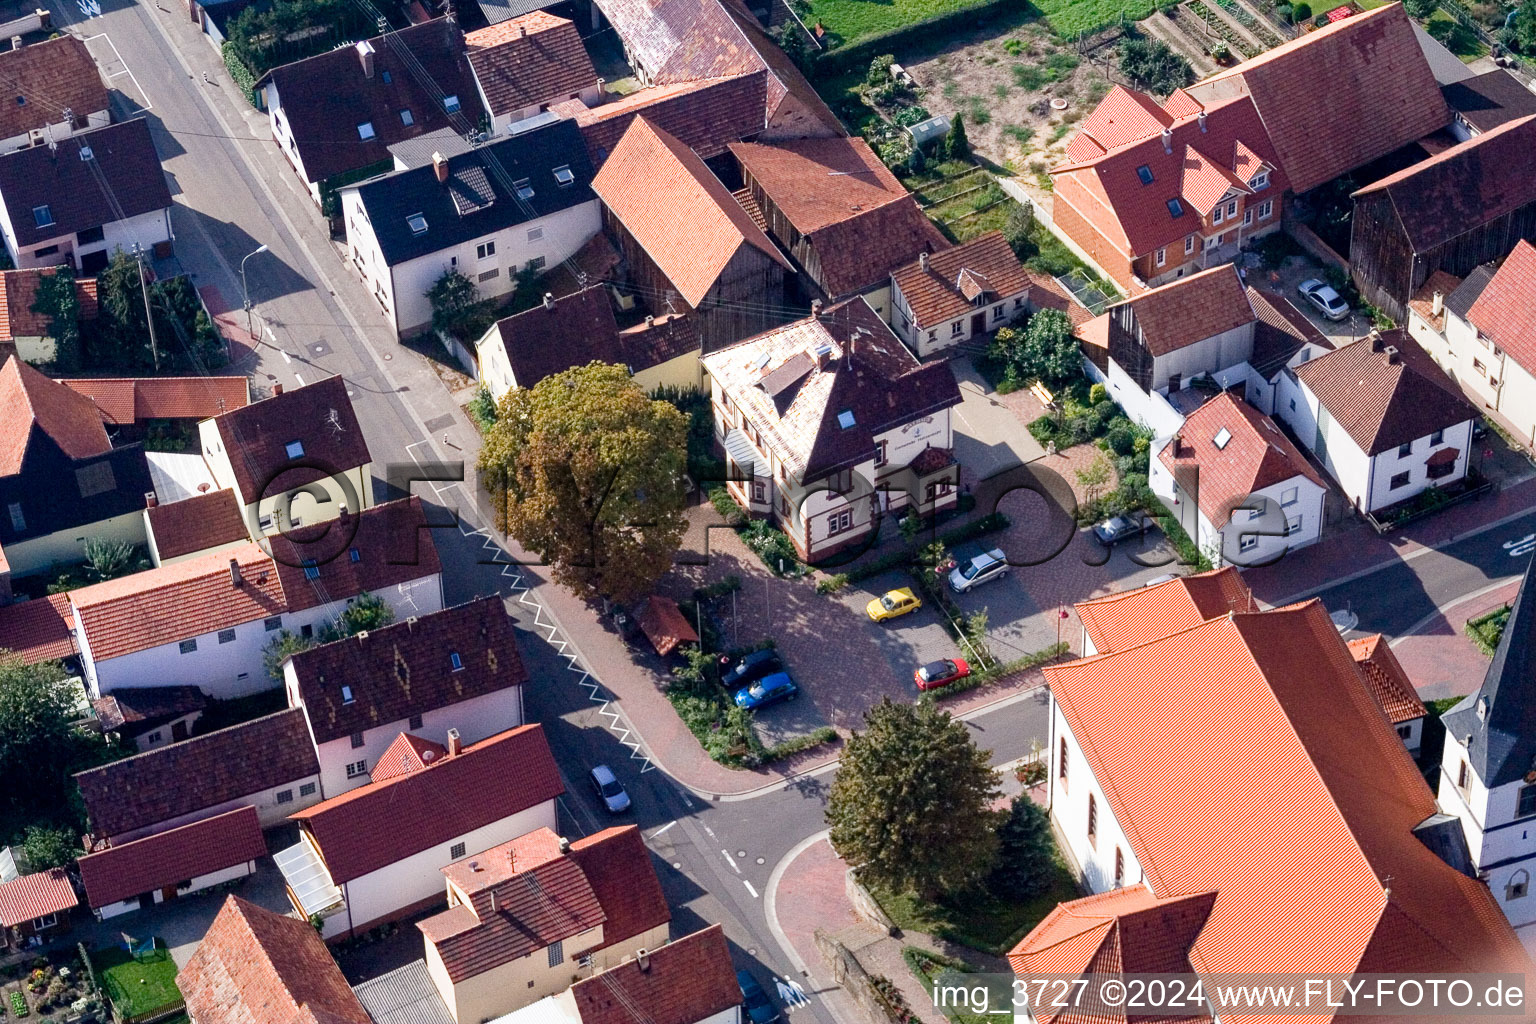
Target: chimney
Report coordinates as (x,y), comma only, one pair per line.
(1393,356)
(922,262)
(643,960)
(277,389)
(365,55)
(235,578)
(1377,344)
(150,500)
(565,845)
(474,865)
(455,747)
(522,30)
(1167,141)
(493,901)
(549,301)
(649,320)
(1437,306)
(1178,445)
(440,168)
(815,307)
(1201,118)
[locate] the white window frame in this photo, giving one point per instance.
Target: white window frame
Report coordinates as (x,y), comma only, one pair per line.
(1189,244)
(1247,216)
(1292,525)
(840,521)
(955,328)
(1216,214)
(485,250)
(1162,256)
(1266,208)
(357,769)
(1247,542)
(1260,181)
(1289,496)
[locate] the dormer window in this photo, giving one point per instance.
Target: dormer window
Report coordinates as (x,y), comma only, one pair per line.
(406,117)
(524,188)
(346,695)
(1145,174)
(1260,180)
(564,175)
(85,153)
(456,661)
(43,216)
(451,104)
(295,449)
(365,130)
(1175,208)
(417,223)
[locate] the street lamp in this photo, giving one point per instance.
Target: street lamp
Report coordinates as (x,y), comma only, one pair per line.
(245,293)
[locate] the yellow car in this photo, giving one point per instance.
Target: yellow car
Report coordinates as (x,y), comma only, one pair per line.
(893,603)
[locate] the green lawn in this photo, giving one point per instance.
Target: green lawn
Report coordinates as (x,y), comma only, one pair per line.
(1456,37)
(137,986)
(852,20)
(981,922)
(1069,18)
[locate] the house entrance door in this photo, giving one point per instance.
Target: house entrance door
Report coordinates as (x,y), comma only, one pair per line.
(178,731)
(168,893)
(978,324)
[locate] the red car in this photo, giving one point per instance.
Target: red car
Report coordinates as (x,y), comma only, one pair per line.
(940,673)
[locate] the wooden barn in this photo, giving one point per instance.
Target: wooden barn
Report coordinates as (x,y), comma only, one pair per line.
(1453,212)
(687,246)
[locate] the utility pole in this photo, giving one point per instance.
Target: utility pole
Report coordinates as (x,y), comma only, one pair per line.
(149,316)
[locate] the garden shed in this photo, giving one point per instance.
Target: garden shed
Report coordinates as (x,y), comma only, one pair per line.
(924,132)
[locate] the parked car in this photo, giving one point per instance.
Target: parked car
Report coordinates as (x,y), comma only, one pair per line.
(1324,298)
(609,789)
(973,572)
(893,603)
(1118,528)
(751,668)
(768,690)
(940,673)
(754,1001)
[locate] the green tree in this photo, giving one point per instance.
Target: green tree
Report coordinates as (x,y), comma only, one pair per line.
(1026,855)
(109,559)
(1094,478)
(366,612)
(911,804)
(1523,28)
(56,300)
(956,145)
(879,72)
(454,299)
(1049,351)
(48,846)
(1419,8)
(119,335)
(1300,12)
(792,42)
(39,745)
(587,471)
(1019,230)
(279,648)
(1151,65)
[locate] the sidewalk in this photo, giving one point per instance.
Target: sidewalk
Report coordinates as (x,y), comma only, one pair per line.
(1439,658)
(1351,549)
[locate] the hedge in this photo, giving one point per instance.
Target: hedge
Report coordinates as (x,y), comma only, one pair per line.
(244,79)
(1485,631)
(919,33)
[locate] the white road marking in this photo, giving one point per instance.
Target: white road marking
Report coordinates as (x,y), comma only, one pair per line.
(732,862)
(659,831)
(1522,547)
(749,888)
(267,330)
(285,356)
(299,379)
(146,104)
(709,830)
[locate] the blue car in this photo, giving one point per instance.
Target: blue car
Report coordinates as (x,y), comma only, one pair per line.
(755,1001)
(767,690)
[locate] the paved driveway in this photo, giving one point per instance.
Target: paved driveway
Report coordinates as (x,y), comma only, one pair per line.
(1284,281)
(988,436)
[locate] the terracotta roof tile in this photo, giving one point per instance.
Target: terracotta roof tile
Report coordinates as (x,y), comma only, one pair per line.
(1141,614)
(258,967)
(18,293)
(205,771)
(1206,182)
(1381,95)
(177,602)
(522,896)
(682,40)
(166,858)
(50,76)
(196,524)
(38,630)
(375,825)
(405,755)
(135,399)
(1192,309)
(529,61)
(934,295)
(1423,301)
(704,116)
(1045,293)
(405,669)
(38,895)
(664,624)
(30,399)
(318,416)
(685,219)
(1384,676)
(618,864)
(381,547)
(659,340)
(1488,100)
(1256,455)
(686,981)
(860,253)
(1281,331)
(140,708)
(1384,404)
(887,388)
(795,108)
(1122,116)
(1505,313)
(571,331)
(1284,721)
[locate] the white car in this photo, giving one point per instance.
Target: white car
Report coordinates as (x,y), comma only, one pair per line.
(1324,298)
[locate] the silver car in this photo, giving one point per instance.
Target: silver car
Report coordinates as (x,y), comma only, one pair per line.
(609,789)
(1324,298)
(973,572)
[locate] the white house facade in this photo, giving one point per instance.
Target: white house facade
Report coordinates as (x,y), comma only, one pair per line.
(1096,845)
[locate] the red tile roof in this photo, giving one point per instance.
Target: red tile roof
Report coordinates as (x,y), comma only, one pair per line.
(704,116)
(138,709)
(319,416)
(1383,404)
(522,896)
(1381,95)
(685,982)
(1122,116)
(205,771)
(529,61)
(1505,313)
(556,336)
(177,602)
(18,292)
(685,219)
(30,399)
(1281,332)
(405,755)
(1206,181)
(376,825)
(1315,872)
(38,630)
(196,524)
(1384,676)
(136,399)
(32,896)
(664,625)
(1256,455)
(1423,301)
(660,339)
(1192,309)
(167,858)
(404,669)
(619,867)
(393,543)
(258,967)
(1141,614)
(50,76)
(934,294)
